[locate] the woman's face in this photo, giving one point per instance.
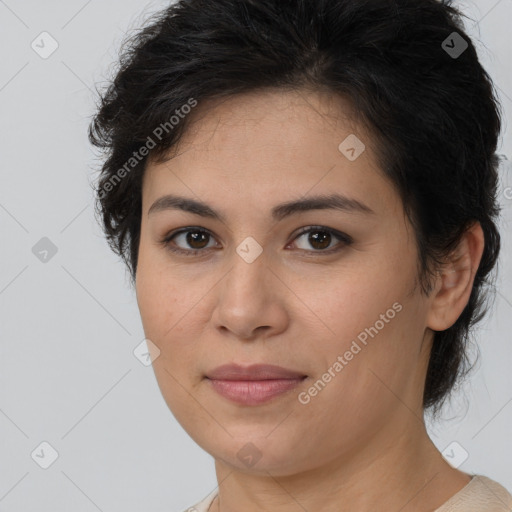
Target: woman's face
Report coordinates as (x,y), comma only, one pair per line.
(345,314)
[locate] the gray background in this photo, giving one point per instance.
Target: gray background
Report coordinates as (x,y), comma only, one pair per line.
(69,325)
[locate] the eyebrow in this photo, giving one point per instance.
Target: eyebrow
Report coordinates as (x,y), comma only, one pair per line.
(279,212)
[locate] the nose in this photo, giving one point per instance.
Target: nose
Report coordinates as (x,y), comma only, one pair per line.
(250,300)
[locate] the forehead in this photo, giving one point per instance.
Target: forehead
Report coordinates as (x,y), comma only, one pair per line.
(260,112)
(271,144)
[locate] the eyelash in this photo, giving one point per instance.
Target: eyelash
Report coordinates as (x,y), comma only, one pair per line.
(342,237)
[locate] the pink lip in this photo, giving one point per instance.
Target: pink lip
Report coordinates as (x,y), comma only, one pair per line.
(255,384)
(253,372)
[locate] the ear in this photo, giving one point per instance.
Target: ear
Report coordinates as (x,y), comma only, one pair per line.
(455,281)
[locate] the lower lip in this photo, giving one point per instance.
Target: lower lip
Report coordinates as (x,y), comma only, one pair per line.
(253,392)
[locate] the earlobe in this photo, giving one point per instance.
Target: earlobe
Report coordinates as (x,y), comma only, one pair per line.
(455,280)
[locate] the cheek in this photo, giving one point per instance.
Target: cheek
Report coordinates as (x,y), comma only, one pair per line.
(160,298)
(374,335)
(352,303)
(165,310)
(171,311)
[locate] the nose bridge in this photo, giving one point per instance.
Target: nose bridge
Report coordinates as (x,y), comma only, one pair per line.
(249,266)
(246,298)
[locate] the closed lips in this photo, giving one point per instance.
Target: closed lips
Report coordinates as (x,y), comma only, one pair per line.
(253,372)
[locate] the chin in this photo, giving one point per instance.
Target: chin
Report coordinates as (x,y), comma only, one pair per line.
(252,453)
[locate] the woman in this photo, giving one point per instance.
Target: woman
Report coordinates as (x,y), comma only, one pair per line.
(304,192)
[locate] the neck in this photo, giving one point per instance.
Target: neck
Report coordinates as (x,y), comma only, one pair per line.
(395,470)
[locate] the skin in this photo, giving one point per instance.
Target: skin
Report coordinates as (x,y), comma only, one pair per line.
(361,443)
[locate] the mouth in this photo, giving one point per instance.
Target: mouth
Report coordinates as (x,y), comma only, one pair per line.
(254,384)
(253,392)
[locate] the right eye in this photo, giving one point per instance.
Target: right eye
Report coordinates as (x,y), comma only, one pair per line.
(194,237)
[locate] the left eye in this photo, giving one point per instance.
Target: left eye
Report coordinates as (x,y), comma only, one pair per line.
(320,238)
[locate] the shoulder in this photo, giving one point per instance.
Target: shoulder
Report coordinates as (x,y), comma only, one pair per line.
(204,504)
(481,494)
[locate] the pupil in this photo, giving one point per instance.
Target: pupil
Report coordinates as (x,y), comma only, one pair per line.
(193,236)
(314,239)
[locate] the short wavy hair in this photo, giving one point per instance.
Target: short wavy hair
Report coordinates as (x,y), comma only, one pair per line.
(418,88)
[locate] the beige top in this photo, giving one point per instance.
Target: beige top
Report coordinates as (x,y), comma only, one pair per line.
(481,494)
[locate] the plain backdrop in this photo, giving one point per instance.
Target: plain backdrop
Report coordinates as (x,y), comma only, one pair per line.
(69,322)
